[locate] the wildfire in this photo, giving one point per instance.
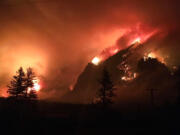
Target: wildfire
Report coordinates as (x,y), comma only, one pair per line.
(96,60)
(132,37)
(137,41)
(143,37)
(112,50)
(36,86)
(115,51)
(130,77)
(156,56)
(151,55)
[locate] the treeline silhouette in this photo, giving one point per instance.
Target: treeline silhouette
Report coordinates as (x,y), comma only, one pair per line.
(23,113)
(21,86)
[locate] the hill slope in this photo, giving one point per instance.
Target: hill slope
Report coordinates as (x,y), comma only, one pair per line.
(123,68)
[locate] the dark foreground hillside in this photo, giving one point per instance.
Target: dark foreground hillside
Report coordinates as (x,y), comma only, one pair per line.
(55,118)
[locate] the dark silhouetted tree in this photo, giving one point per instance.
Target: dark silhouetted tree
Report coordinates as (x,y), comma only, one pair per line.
(106,92)
(32,95)
(21,83)
(17,87)
(30,76)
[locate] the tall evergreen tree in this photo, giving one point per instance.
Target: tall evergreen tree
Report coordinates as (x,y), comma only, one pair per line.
(32,95)
(106,92)
(22,85)
(30,76)
(17,84)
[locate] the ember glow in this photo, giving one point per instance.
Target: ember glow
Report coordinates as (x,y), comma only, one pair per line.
(137,40)
(96,61)
(51,37)
(157,56)
(151,55)
(113,50)
(36,86)
(130,77)
(143,36)
(127,38)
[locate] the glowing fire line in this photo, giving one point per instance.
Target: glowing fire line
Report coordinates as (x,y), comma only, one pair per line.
(110,51)
(36,86)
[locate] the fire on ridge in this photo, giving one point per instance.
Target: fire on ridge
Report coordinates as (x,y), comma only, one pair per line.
(110,52)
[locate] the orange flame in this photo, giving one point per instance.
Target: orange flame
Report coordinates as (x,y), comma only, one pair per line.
(139,37)
(36,86)
(96,60)
(156,56)
(151,55)
(137,41)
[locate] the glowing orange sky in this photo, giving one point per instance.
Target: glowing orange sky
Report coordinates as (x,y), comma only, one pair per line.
(59,38)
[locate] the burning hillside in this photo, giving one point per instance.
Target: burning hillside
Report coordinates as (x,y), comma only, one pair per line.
(133,70)
(58,38)
(131,36)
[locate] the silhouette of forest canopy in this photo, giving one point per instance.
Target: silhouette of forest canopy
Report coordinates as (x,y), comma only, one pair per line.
(21,85)
(18,110)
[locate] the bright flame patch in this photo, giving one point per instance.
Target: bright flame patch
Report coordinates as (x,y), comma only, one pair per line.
(96,61)
(137,41)
(157,56)
(36,86)
(151,55)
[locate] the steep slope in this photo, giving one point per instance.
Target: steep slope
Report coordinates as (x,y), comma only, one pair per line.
(87,84)
(132,85)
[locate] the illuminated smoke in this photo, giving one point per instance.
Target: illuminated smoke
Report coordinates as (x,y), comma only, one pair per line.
(52,37)
(131,37)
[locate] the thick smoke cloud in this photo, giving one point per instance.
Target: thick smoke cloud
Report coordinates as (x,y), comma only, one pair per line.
(58,38)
